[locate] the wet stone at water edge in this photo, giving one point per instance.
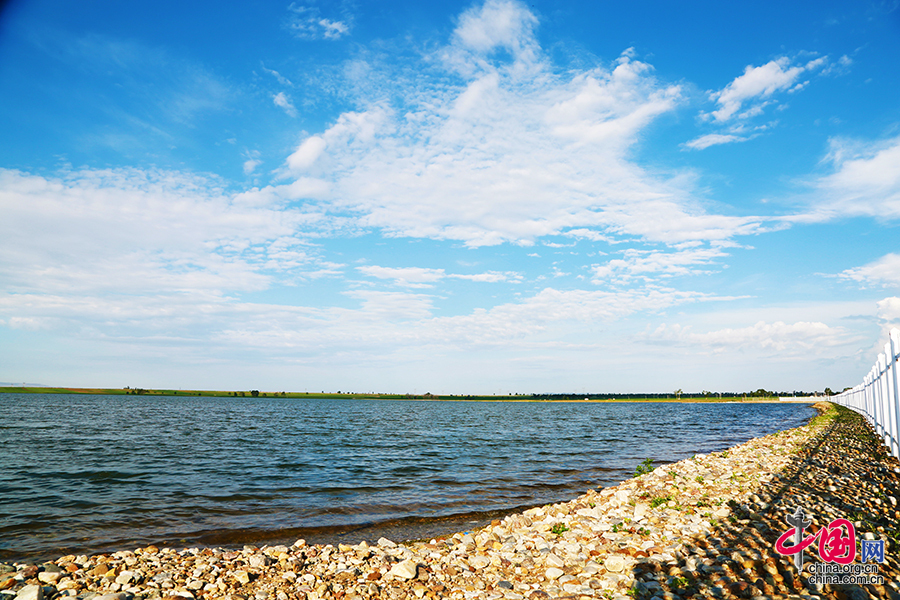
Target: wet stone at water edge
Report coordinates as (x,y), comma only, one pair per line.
(705,527)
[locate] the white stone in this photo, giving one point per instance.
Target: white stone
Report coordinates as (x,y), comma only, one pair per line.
(259,561)
(386,543)
(574,588)
(553,573)
(614,563)
(640,510)
(408,569)
(479,562)
(47,577)
(31,592)
(553,560)
(241,577)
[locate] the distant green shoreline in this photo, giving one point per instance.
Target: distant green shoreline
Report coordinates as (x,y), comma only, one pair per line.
(694,398)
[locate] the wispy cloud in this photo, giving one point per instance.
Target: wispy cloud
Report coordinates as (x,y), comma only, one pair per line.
(714,139)
(252,161)
(278,76)
(143,233)
(884,272)
(651,264)
(799,338)
(751,92)
(865,182)
(385,319)
(425,277)
(513,153)
(282,101)
(307,22)
(483,31)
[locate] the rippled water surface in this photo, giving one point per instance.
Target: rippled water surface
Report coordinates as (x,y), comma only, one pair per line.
(90,473)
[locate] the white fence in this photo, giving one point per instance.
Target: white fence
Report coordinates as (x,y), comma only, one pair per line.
(877,398)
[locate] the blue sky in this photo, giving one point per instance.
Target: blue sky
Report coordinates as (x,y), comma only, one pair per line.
(450,197)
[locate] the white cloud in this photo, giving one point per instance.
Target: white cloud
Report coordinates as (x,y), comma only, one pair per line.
(283,102)
(497,24)
(424,277)
(884,271)
(306,22)
(381,321)
(382,308)
(798,339)
(758,84)
(888,314)
(353,132)
(589,234)
(278,76)
(490,277)
(509,155)
(306,153)
(396,320)
(332,30)
(250,165)
(865,182)
(133,232)
(407,276)
(648,264)
(714,139)
(275,196)
(252,161)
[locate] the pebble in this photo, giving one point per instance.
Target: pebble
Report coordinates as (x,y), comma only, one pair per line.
(408,569)
(31,592)
(704,527)
(553,573)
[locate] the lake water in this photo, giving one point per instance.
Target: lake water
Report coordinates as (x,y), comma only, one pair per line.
(84,474)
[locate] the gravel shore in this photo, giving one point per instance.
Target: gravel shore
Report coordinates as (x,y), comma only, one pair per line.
(703,527)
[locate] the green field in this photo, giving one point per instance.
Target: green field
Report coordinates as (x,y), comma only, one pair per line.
(729,397)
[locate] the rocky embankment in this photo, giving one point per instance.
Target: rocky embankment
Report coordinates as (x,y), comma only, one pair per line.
(703,527)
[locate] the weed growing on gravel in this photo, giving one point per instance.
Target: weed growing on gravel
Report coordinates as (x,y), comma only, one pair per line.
(659,500)
(559,529)
(644,468)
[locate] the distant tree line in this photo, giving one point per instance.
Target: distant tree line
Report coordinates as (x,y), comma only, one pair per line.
(705,394)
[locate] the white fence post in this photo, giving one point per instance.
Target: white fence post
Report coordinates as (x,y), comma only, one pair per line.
(895,399)
(870,401)
(877,398)
(885,401)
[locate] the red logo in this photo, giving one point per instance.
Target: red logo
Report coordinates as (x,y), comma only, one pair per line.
(837,540)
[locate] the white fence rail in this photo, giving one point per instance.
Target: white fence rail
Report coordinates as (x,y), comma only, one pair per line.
(877,398)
